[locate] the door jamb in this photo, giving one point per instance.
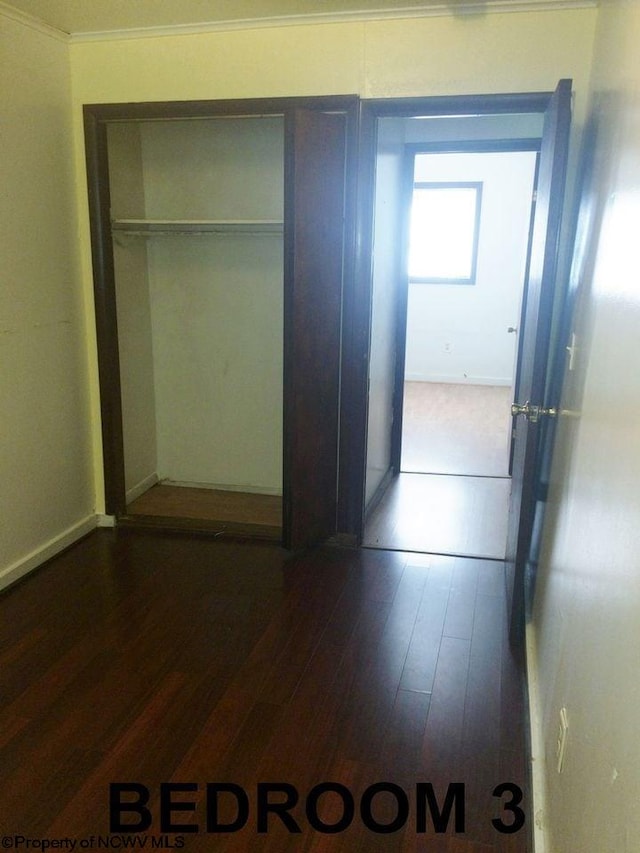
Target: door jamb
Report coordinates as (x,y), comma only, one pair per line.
(351,506)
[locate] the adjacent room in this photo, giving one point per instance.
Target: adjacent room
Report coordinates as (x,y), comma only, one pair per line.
(454,201)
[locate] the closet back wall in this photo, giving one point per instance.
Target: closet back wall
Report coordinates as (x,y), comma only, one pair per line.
(134,313)
(215,305)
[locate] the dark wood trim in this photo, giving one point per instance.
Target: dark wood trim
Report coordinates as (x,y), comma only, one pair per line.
(106,316)
(153,110)
(288,271)
(459,105)
(315,202)
(350,434)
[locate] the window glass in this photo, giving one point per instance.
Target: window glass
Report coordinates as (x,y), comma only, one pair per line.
(443,232)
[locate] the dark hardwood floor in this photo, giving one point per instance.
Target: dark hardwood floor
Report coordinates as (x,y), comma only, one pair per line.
(150,658)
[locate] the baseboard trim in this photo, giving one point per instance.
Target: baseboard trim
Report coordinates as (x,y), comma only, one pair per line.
(442,379)
(141,487)
(37,557)
(538,769)
(379,493)
(247,488)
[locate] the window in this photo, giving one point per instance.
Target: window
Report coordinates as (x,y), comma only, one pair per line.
(443,232)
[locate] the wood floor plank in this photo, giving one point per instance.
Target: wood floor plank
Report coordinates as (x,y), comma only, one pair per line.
(154,658)
(213,504)
(441,752)
(422,654)
(405,733)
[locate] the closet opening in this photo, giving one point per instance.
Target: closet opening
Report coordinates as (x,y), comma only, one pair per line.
(197,218)
(209,221)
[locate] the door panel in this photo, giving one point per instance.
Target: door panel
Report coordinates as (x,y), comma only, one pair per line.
(314,253)
(535,342)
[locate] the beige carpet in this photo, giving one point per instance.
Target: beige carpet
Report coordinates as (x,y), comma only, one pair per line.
(456,429)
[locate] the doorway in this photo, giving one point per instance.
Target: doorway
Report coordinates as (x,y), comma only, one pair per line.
(451,325)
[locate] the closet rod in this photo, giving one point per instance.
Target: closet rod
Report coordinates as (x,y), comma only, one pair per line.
(147,227)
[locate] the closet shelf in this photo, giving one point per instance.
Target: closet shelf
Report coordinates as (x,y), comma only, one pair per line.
(148,227)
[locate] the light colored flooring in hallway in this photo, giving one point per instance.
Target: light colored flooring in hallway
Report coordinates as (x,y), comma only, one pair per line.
(452,496)
(456,429)
(440,514)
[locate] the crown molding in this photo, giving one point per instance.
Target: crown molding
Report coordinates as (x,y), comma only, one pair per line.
(466,9)
(438,11)
(18,17)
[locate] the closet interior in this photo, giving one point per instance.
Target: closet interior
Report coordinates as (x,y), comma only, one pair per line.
(196,217)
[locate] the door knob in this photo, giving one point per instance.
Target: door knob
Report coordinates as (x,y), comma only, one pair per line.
(512,330)
(532,413)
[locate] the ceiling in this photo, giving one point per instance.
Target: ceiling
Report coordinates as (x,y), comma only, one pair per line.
(95,16)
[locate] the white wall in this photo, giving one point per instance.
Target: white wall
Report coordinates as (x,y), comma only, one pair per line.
(384,309)
(46,492)
(452,128)
(584,644)
(133,312)
(458,333)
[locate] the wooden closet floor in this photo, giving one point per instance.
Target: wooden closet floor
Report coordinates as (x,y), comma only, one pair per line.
(213,505)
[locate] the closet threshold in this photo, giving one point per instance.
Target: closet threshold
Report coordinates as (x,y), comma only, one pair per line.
(235,530)
(148,227)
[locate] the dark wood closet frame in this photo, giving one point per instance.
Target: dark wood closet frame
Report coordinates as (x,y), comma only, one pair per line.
(97,117)
(353,471)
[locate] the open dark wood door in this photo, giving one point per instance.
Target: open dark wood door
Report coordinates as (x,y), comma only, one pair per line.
(314,258)
(535,343)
